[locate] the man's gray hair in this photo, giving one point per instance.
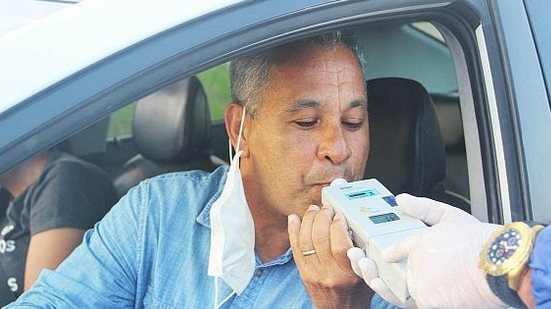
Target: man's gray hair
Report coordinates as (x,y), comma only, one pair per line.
(249,75)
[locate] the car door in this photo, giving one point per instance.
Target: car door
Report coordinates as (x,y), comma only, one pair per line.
(506,173)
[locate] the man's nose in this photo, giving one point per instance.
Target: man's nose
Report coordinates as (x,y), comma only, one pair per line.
(333,145)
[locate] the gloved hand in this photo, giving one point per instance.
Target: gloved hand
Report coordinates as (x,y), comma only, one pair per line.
(366,268)
(442,261)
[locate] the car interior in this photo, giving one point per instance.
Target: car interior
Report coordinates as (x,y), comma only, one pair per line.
(171,132)
(417,140)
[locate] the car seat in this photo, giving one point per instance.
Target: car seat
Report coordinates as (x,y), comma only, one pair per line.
(89,144)
(448,112)
(407,151)
(171,133)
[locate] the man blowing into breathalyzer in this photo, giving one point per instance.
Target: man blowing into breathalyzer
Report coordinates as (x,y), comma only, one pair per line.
(251,235)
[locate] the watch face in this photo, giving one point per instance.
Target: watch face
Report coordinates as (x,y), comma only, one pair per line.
(504,246)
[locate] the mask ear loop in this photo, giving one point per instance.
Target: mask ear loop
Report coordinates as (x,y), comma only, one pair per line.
(238,136)
(215,305)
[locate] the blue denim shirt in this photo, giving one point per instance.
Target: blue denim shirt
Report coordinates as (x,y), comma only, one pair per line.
(540,263)
(152,249)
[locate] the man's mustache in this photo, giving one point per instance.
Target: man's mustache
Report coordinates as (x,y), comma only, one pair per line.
(326,176)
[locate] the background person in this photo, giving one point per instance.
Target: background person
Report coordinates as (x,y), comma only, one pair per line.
(55,197)
(460,262)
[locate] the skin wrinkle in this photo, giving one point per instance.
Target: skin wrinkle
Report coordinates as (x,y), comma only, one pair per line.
(304,104)
(331,67)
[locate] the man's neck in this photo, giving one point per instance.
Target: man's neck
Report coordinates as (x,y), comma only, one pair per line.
(271,236)
(20,178)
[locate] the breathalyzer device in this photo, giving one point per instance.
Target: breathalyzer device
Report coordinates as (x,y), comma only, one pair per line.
(375,221)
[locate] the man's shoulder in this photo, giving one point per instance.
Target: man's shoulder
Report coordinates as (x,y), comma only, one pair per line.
(67,175)
(188,179)
(190,189)
(66,165)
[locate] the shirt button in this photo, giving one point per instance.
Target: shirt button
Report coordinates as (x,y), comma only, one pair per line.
(258,272)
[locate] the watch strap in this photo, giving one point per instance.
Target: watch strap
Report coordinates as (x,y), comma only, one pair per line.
(500,287)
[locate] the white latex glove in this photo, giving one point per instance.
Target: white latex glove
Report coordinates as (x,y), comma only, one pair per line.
(366,268)
(443,261)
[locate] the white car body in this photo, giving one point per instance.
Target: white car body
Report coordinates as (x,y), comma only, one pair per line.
(37,55)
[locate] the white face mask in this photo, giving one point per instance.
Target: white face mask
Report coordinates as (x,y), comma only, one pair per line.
(232,256)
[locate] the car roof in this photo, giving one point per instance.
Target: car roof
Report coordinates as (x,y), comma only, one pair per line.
(99,28)
(15,14)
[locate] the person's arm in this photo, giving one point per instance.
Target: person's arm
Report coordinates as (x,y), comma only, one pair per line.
(102,272)
(48,249)
(540,268)
(525,288)
(449,264)
(68,198)
(442,261)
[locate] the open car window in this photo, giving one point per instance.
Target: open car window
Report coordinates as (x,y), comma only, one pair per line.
(409,51)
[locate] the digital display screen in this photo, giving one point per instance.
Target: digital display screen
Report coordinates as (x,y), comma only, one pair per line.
(360,194)
(384,218)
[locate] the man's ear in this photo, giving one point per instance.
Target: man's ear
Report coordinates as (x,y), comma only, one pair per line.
(232,118)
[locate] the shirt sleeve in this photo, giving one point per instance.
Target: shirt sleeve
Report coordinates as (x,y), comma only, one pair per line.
(69,193)
(540,263)
(102,271)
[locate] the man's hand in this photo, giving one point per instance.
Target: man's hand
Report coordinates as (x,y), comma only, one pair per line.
(319,244)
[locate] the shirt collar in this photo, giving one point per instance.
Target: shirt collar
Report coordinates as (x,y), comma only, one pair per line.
(280,260)
(204,216)
(204,219)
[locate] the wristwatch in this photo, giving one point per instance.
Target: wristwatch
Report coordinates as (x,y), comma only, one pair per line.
(505,255)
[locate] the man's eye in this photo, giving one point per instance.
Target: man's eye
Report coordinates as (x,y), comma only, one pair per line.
(352,124)
(306,123)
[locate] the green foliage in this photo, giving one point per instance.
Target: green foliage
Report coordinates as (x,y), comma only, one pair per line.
(121,121)
(216,82)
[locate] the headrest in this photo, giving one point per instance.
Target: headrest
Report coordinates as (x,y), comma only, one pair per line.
(448,112)
(89,143)
(407,153)
(172,125)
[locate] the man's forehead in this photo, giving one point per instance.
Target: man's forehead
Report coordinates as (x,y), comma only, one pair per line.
(314,54)
(300,104)
(305,66)
(313,77)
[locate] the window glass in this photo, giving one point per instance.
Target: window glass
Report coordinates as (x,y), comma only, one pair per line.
(414,51)
(418,51)
(121,121)
(216,82)
(429,30)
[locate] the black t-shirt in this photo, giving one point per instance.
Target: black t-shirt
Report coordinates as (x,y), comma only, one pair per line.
(68,193)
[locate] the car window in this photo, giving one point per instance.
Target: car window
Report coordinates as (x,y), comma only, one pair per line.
(417,51)
(121,122)
(414,51)
(216,82)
